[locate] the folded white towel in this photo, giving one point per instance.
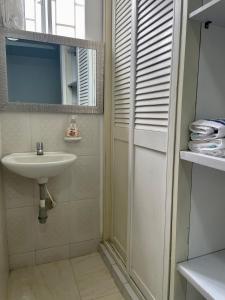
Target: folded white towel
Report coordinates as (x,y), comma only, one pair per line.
(213,147)
(217,153)
(205,130)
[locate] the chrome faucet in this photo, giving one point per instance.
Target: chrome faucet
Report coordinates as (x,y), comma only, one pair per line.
(40,148)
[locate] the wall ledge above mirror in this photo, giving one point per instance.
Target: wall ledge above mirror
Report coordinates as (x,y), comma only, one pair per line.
(7,104)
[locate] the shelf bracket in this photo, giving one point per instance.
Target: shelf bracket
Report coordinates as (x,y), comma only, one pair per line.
(207,24)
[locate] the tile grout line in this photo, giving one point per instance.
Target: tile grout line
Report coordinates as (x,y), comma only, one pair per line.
(111,277)
(74,277)
(57,246)
(116,292)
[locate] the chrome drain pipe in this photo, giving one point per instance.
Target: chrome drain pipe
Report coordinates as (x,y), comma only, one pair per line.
(42,216)
(46,202)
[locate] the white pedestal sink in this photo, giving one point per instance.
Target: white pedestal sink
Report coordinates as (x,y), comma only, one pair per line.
(39,167)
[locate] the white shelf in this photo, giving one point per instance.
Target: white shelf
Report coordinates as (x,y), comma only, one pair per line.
(213,11)
(204,160)
(72,139)
(206,274)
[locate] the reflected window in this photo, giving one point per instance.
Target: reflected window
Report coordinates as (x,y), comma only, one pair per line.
(34,13)
(60,17)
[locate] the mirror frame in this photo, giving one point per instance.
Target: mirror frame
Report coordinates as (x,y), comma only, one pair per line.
(5,105)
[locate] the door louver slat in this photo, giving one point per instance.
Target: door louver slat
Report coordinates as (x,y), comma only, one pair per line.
(154,102)
(153,75)
(122,11)
(123,47)
(156,53)
(120,102)
(122,86)
(152,128)
(121,92)
(125,28)
(125,35)
(150,89)
(124,19)
(151,122)
(160,94)
(122,78)
(152,82)
(150,26)
(147,33)
(122,106)
(154,39)
(122,60)
(153,67)
(155,14)
(119,4)
(154,61)
(154,46)
(158,108)
(149,5)
(142,4)
(152,115)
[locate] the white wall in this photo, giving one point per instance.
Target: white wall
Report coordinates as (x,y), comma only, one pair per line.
(3,241)
(207,221)
(73,227)
(93,19)
(208,202)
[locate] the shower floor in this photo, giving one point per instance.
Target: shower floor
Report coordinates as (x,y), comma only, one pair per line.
(82,278)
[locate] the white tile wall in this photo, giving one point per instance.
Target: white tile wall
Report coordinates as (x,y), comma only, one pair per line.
(82,248)
(73,226)
(52,254)
(59,187)
(84,220)
(22,260)
(3,248)
(56,231)
(20,229)
(18,191)
(90,129)
(3,240)
(86,179)
(16,135)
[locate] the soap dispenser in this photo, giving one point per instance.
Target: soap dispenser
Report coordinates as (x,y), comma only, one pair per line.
(72,132)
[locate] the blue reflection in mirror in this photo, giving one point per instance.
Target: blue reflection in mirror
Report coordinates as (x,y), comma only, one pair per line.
(46,73)
(33,71)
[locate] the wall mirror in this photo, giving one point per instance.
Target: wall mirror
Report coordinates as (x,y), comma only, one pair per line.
(42,72)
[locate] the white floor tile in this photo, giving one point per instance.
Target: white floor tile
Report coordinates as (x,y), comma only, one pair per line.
(54,281)
(116,296)
(82,278)
(93,278)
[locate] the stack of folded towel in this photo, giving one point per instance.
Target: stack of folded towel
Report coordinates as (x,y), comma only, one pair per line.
(208,137)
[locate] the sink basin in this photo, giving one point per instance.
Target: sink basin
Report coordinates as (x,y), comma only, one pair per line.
(39,167)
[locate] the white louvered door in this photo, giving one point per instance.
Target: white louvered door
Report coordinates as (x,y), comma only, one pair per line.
(155,44)
(145,67)
(121,103)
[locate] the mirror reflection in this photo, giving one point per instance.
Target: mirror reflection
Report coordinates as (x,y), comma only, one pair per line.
(46,73)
